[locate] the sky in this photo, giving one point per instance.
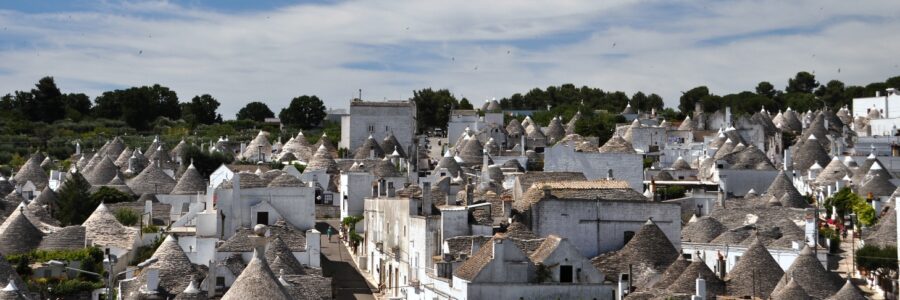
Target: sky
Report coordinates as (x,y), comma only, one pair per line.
(271,51)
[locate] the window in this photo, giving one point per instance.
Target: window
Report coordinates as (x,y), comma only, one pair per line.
(371,128)
(565,273)
(262,217)
(220,281)
(386,128)
(628,235)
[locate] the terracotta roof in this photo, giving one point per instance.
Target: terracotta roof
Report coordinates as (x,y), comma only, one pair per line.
(755,274)
(809,273)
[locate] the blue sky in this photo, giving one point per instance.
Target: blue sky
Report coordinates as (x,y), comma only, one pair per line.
(272,51)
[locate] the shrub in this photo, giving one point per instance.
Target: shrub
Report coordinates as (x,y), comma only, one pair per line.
(127,216)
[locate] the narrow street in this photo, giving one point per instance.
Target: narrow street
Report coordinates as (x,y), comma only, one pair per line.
(347,281)
(845,264)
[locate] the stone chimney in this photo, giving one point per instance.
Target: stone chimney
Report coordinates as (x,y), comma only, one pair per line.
(701,289)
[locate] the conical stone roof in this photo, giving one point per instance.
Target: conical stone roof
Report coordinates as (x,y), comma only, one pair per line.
(555,130)
(809,153)
(391,144)
(152,180)
(680,164)
(257,282)
(793,291)
(848,292)
(756,274)
(369,149)
(877,185)
(322,160)
(286,180)
(324,141)
(278,251)
(686,283)
(102,172)
(833,172)
(174,267)
(514,128)
(809,273)
(190,183)
(32,171)
(672,273)
(180,150)
(703,230)
(298,145)
(122,159)
(19,235)
(617,144)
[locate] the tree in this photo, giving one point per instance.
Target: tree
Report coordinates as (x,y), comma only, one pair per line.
(201,110)
(845,201)
(110,195)
(75,203)
(464,104)
(803,82)
(688,99)
(639,102)
(138,106)
(48,100)
(655,101)
(305,112)
(206,162)
(433,108)
(766,89)
(256,111)
(832,93)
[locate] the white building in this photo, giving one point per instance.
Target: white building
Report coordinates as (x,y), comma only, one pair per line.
(379,119)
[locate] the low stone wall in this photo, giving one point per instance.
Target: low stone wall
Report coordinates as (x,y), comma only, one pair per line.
(328,211)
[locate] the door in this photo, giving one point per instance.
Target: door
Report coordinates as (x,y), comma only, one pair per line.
(262,217)
(565,273)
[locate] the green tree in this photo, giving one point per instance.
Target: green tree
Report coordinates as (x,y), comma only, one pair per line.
(688,99)
(206,162)
(110,195)
(655,101)
(256,111)
(48,100)
(803,82)
(75,203)
(766,89)
(464,104)
(433,108)
(201,110)
(305,112)
(640,102)
(832,93)
(845,202)
(138,106)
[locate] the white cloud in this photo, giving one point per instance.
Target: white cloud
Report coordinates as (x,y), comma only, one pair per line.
(275,55)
